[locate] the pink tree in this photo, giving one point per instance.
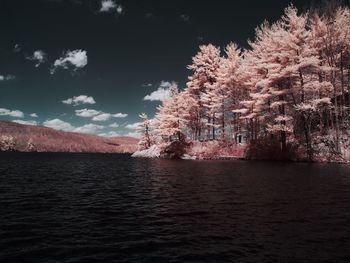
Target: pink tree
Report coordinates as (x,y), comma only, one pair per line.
(169,119)
(146,139)
(202,85)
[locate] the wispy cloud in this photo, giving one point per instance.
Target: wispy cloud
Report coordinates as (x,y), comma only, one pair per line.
(114,125)
(133,134)
(33,115)
(39,57)
(109,134)
(89,128)
(161,94)
(87,113)
(120,115)
(102,117)
(58,124)
(133,126)
(106,116)
(98,115)
(75,59)
(11,113)
(29,122)
(184,17)
(120,9)
(17,48)
(7,77)
(108,6)
(78,100)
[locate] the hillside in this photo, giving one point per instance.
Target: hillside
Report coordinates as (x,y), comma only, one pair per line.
(43,139)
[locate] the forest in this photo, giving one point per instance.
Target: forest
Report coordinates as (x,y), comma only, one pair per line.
(286,97)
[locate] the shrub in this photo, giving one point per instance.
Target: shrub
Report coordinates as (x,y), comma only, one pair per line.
(270,149)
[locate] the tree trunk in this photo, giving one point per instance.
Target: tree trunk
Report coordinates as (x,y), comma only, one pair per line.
(336,113)
(223,123)
(208,129)
(283,135)
(213,128)
(309,149)
(342,87)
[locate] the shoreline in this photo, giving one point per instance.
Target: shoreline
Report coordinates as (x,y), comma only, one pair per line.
(239,153)
(227,158)
(185,158)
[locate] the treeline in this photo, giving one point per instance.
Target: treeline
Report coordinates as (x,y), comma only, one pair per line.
(29,138)
(288,92)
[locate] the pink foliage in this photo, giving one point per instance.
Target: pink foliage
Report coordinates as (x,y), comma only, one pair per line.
(288,90)
(43,139)
(216,150)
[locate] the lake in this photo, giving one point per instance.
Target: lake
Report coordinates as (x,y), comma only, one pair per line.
(113,208)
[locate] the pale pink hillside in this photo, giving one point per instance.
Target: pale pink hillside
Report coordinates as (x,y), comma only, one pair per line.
(43,139)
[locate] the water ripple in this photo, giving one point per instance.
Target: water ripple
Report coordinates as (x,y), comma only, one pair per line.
(112,208)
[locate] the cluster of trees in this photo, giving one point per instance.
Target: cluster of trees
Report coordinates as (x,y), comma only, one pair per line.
(7,143)
(291,86)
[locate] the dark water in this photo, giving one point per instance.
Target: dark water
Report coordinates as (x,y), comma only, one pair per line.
(112,208)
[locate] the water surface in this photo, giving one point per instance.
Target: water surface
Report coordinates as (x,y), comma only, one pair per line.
(113,208)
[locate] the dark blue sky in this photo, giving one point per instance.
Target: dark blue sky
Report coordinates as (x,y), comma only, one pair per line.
(130,44)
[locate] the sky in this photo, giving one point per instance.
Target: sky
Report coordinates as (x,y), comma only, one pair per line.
(94,65)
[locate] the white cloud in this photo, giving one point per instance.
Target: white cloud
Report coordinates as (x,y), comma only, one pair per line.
(120,9)
(39,56)
(133,134)
(33,115)
(114,125)
(106,116)
(10,77)
(11,113)
(165,84)
(133,126)
(87,113)
(81,99)
(76,59)
(98,115)
(147,85)
(7,77)
(26,122)
(111,6)
(89,128)
(17,48)
(109,134)
(107,5)
(102,117)
(119,115)
(161,94)
(58,124)
(184,17)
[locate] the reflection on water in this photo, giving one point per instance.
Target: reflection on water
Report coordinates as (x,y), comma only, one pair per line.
(77,207)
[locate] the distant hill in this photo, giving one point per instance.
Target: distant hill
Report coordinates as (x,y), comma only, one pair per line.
(43,139)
